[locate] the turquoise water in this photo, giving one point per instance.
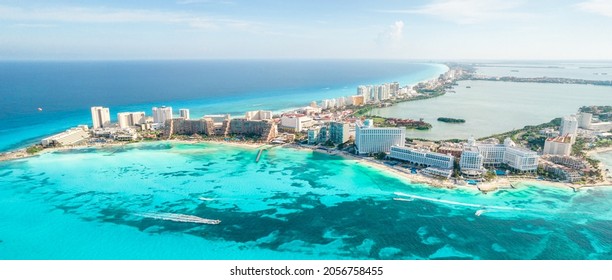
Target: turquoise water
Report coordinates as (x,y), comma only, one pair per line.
(495,107)
(296,204)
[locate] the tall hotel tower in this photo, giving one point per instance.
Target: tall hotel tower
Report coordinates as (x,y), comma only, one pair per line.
(184,113)
(161,114)
(100,117)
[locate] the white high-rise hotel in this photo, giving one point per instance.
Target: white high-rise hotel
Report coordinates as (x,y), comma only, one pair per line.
(569,126)
(494,154)
(370,139)
(161,114)
(127,119)
(100,117)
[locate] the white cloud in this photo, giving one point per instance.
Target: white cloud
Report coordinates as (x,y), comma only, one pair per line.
(600,7)
(393,35)
(104,15)
(467,11)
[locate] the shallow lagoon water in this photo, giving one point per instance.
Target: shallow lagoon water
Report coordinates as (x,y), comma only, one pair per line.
(495,107)
(293,204)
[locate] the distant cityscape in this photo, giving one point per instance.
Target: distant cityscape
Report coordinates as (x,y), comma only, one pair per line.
(340,124)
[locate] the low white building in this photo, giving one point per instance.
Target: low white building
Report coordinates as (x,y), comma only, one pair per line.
(258,115)
(437,172)
(296,122)
(422,157)
(69,137)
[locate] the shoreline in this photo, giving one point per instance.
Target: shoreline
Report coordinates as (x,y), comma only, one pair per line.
(442,68)
(484,188)
(403,175)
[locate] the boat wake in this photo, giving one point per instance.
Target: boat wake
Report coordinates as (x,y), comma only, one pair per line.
(453,202)
(178,218)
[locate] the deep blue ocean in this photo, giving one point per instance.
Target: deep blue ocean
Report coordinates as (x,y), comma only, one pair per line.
(66,90)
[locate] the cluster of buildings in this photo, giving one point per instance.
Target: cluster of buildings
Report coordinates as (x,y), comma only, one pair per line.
(472,157)
(477,155)
(560,143)
(566,168)
(257,124)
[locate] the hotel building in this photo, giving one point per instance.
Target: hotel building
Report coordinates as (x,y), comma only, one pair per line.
(561,145)
(339,132)
(161,114)
(313,135)
(258,115)
(517,158)
(69,137)
(569,126)
(471,162)
(296,122)
(184,113)
(220,122)
(584,120)
(129,119)
(422,157)
(358,100)
(370,139)
(100,117)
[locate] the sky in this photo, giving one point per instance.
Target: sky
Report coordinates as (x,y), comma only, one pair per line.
(306,29)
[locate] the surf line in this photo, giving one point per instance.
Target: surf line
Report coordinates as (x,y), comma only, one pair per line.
(453,202)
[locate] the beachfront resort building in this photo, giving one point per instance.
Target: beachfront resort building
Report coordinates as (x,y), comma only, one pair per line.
(184,113)
(100,117)
(162,114)
(471,162)
(69,137)
(422,157)
(265,130)
(183,126)
(221,123)
(370,139)
(560,145)
(313,135)
(521,159)
(130,119)
(339,132)
(494,154)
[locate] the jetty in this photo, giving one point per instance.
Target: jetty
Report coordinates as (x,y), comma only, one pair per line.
(259,154)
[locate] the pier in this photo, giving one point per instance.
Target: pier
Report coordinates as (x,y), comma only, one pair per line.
(259,154)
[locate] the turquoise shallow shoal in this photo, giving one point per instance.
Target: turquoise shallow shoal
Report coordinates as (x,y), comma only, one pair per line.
(293,204)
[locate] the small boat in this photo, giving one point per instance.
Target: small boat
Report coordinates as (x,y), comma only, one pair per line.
(40,109)
(206,199)
(468,87)
(479,212)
